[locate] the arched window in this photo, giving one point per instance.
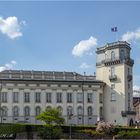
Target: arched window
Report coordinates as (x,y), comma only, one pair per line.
(112,55)
(27,111)
(37,110)
(79,110)
(69,111)
(89,111)
(60,109)
(15,111)
(48,107)
(4,111)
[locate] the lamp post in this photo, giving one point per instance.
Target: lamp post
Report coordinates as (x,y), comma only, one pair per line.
(83,95)
(70,117)
(0,102)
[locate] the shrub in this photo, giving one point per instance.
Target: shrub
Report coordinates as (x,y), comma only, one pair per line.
(128,134)
(105,127)
(50,132)
(93,133)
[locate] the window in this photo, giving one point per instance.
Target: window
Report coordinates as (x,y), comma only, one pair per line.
(27,111)
(37,110)
(48,97)
(4,111)
(113,96)
(15,111)
(26,97)
(128,71)
(60,109)
(129,96)
(48,107)
(112,71)
(80,97)
(4,97)
(112,55)
(37,97)
(101,111)
(69,111)
(112,86)
(89,97)
(59,97)
(129,99)
(89,111)
(79,110)
(101,98)
(15,97)
(69,97)
(122,54)
(128,85)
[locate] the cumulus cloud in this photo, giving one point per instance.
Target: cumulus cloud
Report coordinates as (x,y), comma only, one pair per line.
(133,35)
(84,66)
(84,46)
(11,27)
(8,66)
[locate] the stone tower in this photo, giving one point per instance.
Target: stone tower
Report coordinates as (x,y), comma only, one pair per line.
(114,66)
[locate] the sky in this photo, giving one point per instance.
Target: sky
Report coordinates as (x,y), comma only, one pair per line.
(64,35)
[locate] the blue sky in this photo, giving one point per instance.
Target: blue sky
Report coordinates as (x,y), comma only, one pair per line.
(43,35)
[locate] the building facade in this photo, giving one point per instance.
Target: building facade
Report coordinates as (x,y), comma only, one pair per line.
(82,99)
(136,108)
(114,66)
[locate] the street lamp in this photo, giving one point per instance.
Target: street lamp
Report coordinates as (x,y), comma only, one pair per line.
(83,95)
(70,117)
(0,103)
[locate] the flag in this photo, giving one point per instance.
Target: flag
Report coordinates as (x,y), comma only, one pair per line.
(114,29)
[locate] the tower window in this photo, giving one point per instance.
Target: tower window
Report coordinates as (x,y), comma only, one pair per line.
(112,55)
(112,86)
(113,96)
(122,54)
(112,71)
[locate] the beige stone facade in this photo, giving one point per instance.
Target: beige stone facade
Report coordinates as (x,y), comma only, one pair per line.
(114,66)
(82,99)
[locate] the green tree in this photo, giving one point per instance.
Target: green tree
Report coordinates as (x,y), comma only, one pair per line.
(53,119)
(51,116)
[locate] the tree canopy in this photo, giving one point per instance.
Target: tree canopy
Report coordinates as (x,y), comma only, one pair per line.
(51,116)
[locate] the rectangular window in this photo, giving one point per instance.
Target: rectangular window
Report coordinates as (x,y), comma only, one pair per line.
(129,108)
(89,97)
(69,97)
(128,71)
(4,97)
(112,86)
(59,97)
(48,97)
(129,96)
(112,71)
(101,98)
(26,97)
(80,97)
(129,99)
(37,97)
(113,96)
(15,97)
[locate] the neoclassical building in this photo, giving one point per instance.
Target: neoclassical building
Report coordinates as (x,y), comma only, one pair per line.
(82,99)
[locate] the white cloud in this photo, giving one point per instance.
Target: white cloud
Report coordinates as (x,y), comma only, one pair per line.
(136,91)
(11,27)
(8,66)
(84,66)
(84,46)
(13,62)
(133,35)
